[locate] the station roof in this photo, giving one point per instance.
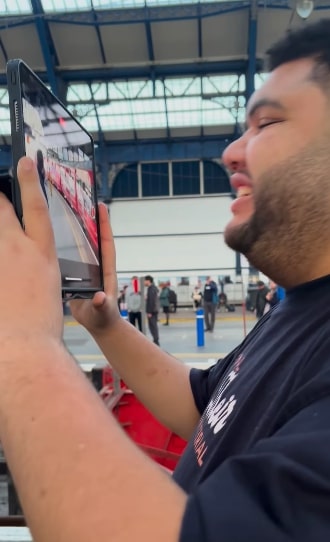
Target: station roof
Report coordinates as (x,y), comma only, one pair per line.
(132,70)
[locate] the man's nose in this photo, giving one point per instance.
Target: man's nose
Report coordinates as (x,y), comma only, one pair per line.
(234,155)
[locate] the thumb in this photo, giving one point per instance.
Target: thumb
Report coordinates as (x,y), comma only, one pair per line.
(99,300)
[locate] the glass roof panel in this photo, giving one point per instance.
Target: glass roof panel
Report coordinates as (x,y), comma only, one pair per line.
(259,79)
(138,3)
(90,123)
(79,93)
(66,5)
(154,120)
(4,120)
(223,84)
(4,112)
(130,89)
(123,105)
(4,98)
(124,90)
(223,117)
(4,126)
(15,7)
(184,104)
(182,86)
(100,91)
(117,4)
(146,89)
(185,118)
(118,122)
(127,105)
(147,106)
(83,5)
(116,108)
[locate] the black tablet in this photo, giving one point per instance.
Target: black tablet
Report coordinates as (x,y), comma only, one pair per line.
(63,152)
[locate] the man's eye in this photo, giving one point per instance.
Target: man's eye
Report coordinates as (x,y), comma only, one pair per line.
(265,123)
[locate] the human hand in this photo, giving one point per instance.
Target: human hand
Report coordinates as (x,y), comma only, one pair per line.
(269,296)
(97,314)
(30,282)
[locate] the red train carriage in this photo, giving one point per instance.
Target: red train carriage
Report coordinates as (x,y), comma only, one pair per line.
(76,186)
(69,185)
(86,208)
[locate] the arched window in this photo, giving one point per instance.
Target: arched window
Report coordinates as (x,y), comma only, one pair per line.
(126,183)
(186,178)
(216,180)
(155,179)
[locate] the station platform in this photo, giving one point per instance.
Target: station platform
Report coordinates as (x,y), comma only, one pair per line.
(178,339)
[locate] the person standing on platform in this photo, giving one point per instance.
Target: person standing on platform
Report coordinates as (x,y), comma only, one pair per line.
(164,300)
(210,303)
(41,172)
(197,297)
(261,299)
(122,299)
(272,297)
(152,307)
(134,303)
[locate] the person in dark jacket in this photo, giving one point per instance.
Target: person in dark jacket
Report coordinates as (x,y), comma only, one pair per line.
(173,298)
(261,298)
(210,302)
(164,300)
(152,307)
(41,172)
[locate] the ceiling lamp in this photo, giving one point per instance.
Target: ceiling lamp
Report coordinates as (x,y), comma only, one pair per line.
(304,8)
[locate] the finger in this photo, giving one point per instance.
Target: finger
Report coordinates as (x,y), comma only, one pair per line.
(99,300)
(36,216)
(108,251)
(9,222)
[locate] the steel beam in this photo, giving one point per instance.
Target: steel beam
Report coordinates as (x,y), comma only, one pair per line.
(47,46)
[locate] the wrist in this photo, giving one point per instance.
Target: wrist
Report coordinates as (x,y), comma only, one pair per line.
(100,333)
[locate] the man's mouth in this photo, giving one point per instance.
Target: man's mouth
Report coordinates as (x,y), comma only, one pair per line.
(243,191)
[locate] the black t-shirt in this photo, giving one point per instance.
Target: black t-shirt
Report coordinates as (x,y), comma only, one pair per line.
(258,466)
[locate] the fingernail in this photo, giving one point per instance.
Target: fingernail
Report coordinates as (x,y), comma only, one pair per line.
(26,163)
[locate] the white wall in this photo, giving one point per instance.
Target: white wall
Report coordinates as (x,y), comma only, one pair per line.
(172,236)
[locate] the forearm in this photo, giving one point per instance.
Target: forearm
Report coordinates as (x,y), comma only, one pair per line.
(78,476)
(159,380)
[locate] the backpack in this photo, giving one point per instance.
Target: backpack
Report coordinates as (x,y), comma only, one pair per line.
(214,293)
(135,302)
(172,296)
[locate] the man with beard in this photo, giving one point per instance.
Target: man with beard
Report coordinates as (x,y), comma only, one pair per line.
(257,464)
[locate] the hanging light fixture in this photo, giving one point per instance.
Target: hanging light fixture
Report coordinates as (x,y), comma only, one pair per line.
(304,8)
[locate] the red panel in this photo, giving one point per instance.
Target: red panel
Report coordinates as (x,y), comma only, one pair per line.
(156,440)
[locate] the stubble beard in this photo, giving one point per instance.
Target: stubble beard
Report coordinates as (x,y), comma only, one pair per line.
(290,227)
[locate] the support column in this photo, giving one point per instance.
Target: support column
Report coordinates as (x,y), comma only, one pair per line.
(250,74)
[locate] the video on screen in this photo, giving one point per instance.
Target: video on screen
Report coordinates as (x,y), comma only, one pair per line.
(63,154)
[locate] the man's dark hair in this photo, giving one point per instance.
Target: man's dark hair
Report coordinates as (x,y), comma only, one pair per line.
(310,41)
(149,278)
